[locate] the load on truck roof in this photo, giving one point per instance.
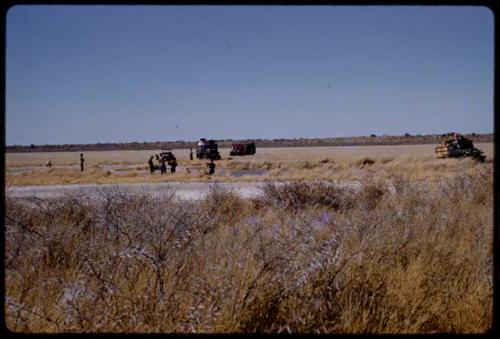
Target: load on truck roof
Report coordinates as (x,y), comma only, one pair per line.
(458,146)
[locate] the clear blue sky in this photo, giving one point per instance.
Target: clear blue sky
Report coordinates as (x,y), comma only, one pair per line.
(88,74)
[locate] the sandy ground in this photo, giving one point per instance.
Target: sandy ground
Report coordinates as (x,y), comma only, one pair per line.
(182,190)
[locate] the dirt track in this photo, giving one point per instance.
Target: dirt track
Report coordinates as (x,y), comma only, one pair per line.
(182,190)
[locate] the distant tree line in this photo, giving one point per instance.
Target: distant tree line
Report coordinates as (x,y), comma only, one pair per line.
(372,139)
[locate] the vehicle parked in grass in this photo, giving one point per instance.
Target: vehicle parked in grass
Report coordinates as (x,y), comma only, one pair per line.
(243,149)
(457,147)
(207,150)
(167,154)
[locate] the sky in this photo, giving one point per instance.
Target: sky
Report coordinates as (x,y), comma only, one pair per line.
(90,74)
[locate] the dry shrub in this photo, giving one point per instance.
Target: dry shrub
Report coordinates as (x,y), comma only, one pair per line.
(312,258)
(223,203)
(371,192)
(308,164)
(363,162)
(251,165)
(240,165)
(301,194)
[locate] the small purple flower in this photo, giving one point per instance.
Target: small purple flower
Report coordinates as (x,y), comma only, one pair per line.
(324,219)
(275,230)
(253,219)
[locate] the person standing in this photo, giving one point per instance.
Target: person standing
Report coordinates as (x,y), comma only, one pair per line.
(191,153)
(211,167)
(151,165)
(163,165)
(173,165)
(82,160)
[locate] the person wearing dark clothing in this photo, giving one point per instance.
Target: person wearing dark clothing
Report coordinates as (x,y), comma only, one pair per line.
(163,166)
(211,167)
(190,154)
(81,162)
(462,142)
(151,165)
(173,165)
(49,164)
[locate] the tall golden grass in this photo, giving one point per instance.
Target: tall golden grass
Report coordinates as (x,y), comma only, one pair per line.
(353,167)
(306,257)
(331,163)
(339,154)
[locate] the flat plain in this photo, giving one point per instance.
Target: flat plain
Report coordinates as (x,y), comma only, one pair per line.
(416,162)
(409,250)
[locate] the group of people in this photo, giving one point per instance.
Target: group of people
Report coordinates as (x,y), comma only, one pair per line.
(459,142)
(173,164)
(162,164)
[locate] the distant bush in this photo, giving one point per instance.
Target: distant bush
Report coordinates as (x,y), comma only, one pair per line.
(299,195)
(364,162)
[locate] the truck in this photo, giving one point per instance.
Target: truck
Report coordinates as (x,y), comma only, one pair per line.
(457,147)
(243,149)
(207,150)
(167,154)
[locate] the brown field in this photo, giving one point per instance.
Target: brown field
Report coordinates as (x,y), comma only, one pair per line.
(306,257)
(310,256)
(415,162)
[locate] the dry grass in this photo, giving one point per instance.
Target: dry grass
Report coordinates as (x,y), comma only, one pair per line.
(306,257)
(332,163)
(286,154)
(97,175)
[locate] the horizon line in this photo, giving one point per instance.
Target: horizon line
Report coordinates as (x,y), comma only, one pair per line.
(373,135)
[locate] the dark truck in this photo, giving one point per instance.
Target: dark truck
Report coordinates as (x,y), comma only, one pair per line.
(457,147)
(207,150)
(167,154)
(243,149)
